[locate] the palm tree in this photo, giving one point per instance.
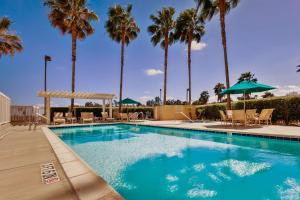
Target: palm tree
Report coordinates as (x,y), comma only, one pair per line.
(72,17)
(189,28)
(218,89)
(121,27)
(9,43)
(162,31)
(209,9)
(298,70)
(247,76)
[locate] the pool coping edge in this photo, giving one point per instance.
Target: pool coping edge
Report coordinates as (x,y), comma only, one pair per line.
(78,172)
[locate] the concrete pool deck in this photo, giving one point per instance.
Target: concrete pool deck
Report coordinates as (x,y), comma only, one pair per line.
(22,152)
(263,130)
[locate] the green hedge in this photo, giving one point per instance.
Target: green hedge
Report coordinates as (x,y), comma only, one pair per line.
(286,108)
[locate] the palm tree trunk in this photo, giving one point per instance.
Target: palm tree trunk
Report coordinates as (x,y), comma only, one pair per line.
(189,70)
(223,33)
(166,67)
(121,74)
(74,46)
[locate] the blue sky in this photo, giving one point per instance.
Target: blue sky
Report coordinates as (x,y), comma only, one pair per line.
(263,37)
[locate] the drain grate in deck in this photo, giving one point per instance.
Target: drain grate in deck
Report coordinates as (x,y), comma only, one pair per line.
(49,174)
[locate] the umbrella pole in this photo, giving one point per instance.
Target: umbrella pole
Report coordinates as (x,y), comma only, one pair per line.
(245,106)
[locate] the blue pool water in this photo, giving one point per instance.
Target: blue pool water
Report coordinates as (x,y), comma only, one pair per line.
(146,163)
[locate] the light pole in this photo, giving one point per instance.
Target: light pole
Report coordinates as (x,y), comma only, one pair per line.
(187,96)
(160,96)
(46,59)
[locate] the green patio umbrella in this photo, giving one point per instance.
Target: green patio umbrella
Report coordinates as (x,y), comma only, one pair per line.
(130,101)
(247,87)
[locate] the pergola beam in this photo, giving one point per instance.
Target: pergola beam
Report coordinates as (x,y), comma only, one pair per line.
(75,95)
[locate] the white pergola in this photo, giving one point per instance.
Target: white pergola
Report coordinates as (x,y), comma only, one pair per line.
(75,95)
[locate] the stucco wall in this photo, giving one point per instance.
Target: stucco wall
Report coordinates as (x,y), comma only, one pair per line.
(174,112)
(4,109)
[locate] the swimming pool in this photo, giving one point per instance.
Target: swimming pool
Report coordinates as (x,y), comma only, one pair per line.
(152,163)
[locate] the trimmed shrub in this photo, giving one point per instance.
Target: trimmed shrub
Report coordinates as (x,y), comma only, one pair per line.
(286,108)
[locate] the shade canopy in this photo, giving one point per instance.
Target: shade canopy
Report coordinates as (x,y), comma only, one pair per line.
(247,87)
(129,101)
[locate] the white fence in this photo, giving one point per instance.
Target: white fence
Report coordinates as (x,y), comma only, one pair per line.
(23,113)
(4,109)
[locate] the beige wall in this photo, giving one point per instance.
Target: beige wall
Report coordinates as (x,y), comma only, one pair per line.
(4,109)
(173,112)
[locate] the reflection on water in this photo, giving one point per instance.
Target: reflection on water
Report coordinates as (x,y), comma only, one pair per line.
(158,163)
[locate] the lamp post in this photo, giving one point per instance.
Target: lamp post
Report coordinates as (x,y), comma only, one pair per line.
(160,96)
(46,59)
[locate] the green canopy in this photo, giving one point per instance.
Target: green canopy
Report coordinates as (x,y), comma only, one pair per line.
(247,87)
(129,101)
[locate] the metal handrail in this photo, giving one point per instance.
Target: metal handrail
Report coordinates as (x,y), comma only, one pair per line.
(183,114)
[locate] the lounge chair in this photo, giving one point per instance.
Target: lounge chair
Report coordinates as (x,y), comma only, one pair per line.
(58,118)
(70,118)
(238,116)
(224,118)
(251,115)
(229,114)
(265,116)
(133,116)
(105,117)
(87,117)
(123,116)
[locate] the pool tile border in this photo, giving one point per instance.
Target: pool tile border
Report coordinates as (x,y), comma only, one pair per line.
(84,180)
(237,133)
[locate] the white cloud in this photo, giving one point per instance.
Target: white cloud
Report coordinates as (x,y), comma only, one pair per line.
(284,90)
(145,98)
(153,72)
(198,46)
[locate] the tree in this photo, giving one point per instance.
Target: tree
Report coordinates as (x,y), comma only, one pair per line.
(218,89)
(122,28)
(189,28)
(211,8)
(72,17)
(203,99)
(298,70)
(247,76)
(162,31)
(267,95)
(10,43)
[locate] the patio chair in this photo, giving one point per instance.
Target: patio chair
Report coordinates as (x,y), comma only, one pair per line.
(123,116)
(229,114)
(251,115)
(58,118)
(265,116)
(70,118)
(87,117)
(238,116)
(224,118)
(133,116)
(105,117)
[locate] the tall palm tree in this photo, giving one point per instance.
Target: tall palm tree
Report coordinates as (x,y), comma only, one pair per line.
(72,17)
(122,28)
(189,28)
(209,9)
(9,43)
(162,31)
(218,89)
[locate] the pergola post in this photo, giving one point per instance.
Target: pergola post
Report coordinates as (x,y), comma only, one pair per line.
(110,108)
(48,115)
(103,105)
